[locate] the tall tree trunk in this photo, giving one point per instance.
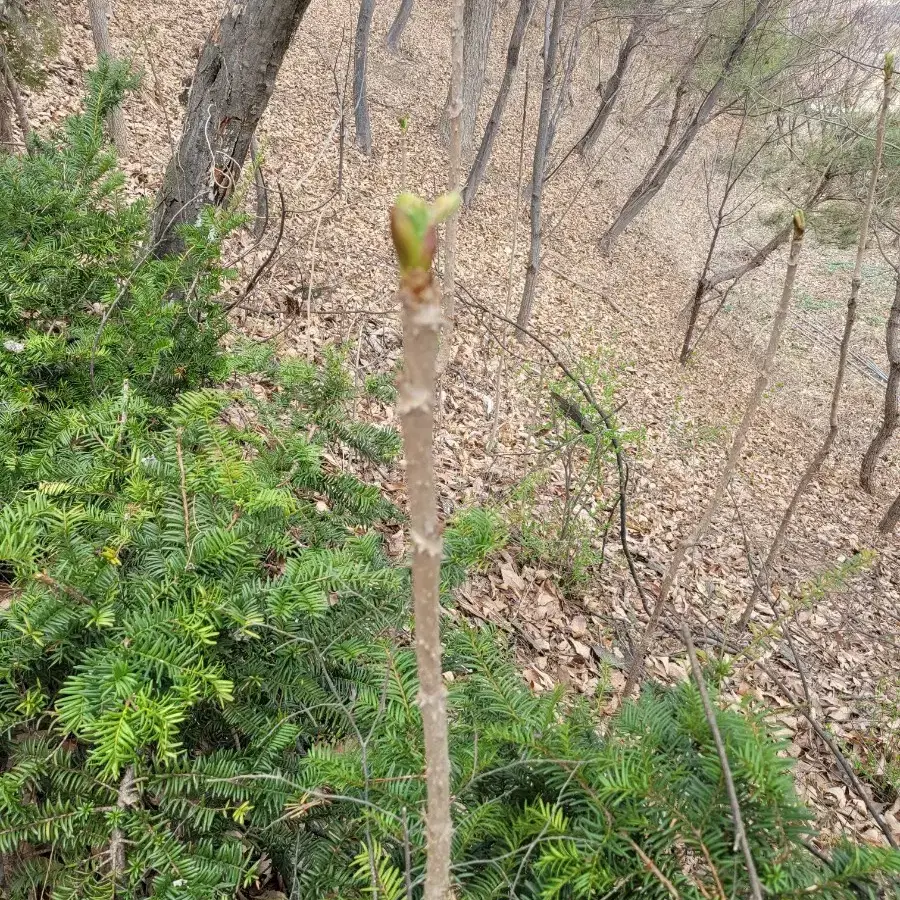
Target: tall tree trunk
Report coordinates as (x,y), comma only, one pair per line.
(457,51)
(398,26)
(478,23)
(360,76)
(734,454)
(815,465)
(651,186)
(891,518)
(479,167)
(541,149)
(232,84)
(891,395)
(100,11)
(612,87)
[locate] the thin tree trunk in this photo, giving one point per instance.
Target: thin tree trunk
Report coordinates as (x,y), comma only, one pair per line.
(731,463)
(541,149)
(651,186)
(478,22)
(398,26)
(457,53)
(517,205)
(7,134)
(232,84)
(564,99)
(697,302)
(360,76)
(421,316)
(709,281)
(891,518)
(261,220)
(100,11)
(479,167)
(815,465)
(611,89)
(891,396)
(17,99)
(722,214)
(779,239)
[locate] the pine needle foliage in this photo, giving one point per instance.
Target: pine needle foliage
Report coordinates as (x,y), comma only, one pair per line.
(206,674)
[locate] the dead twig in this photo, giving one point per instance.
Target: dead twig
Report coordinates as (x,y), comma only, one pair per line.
(740,833)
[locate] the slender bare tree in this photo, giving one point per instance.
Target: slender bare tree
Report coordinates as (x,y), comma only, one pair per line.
(360,76)
(816,463)
(12,90)
(482,157)
(891,416)
(457,53)
(100,12)
(673,152)
(398,26)
(478,25)
(734,455)
(729,211)
(232,84)
(637,32)
(541,149)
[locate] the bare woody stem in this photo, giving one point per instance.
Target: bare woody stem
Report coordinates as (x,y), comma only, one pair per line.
(421,314)
(891,415)
(455,116)
(816,463)
(414,232)
(740,833)
(734,454)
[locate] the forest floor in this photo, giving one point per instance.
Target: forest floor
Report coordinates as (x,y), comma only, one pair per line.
(623,314)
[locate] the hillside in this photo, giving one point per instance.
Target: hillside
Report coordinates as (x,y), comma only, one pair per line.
(622,311)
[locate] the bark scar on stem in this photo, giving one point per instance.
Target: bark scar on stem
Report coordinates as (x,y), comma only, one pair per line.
(427,543)
(414,399)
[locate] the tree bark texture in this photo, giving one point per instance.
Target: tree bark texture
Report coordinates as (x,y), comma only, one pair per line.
(815,465)
(652,185)
(360,76)
(889,523)
(421,316)
(891,416)
(398,26)
(7,134)
(613,85)
(541,149)
(18,101)
(513,52)
(478,23)
(457,52)
(734,455)
(232,84)
(100,12)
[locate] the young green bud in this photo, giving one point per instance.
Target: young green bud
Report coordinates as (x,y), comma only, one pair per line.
(413,229)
